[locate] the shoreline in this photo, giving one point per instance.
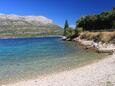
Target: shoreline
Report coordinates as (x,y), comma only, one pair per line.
(97,47)
(30,37)
(27,78)
(75,77)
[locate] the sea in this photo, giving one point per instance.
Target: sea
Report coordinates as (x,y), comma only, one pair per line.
(28,58)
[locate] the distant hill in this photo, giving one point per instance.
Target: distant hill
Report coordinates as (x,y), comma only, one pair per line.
(27,26)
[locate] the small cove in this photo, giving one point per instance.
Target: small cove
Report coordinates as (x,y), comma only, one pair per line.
(23,58)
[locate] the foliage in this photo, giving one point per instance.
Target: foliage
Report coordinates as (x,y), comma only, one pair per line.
(105,20)
(78,31)
(29,31)
(113,24)
(66,26)
(70,32)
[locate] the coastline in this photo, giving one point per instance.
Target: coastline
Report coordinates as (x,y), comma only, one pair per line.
(95,74)
(30,37)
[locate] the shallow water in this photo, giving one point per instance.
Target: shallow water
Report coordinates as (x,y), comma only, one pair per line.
(23,58)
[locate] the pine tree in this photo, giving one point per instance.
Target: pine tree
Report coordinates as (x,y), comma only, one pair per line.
(66,26)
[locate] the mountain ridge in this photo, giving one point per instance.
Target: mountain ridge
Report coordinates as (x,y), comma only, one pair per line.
(12,25)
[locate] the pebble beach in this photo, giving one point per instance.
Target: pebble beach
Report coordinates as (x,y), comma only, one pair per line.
(101,73)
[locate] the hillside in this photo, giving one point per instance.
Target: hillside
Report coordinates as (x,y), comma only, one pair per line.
(27,26)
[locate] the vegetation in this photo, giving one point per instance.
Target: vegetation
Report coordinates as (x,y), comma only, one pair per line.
(105,20)
(104,37)
(29,31)
(71,33)
(66,26)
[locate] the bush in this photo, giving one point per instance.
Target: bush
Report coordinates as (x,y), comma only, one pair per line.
(78,30)
(70,32)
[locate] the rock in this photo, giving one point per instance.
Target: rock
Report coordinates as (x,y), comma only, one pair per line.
(64,37)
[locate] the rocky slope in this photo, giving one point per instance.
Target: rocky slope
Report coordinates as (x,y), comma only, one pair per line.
(27,26)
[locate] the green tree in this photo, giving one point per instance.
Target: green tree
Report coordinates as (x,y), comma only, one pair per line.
(66,26)
(70,32)
(104,20)
(113,9)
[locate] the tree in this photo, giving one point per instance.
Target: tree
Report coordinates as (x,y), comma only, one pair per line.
(66,26)
(113,24)
(113,9)
(70,32)
(104,20)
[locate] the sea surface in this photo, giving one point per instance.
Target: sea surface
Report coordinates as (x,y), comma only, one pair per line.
(27,58)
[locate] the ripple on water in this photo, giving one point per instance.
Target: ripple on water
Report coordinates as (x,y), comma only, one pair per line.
(29,58)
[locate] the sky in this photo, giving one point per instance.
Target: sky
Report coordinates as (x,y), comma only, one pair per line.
(57,10)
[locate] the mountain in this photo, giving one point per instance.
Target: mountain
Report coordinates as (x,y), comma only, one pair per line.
(27,26)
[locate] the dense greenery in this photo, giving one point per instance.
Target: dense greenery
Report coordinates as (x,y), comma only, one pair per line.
(69,32)
(66,26)
(105,20)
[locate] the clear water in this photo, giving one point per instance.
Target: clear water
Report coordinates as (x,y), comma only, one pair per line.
(23,58)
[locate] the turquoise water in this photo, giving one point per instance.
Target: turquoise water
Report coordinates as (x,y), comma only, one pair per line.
(24,58)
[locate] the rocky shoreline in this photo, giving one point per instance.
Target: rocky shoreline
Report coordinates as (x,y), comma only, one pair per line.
(101,42)
(98,47)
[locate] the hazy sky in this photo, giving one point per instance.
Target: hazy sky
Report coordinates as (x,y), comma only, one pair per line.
(57,10)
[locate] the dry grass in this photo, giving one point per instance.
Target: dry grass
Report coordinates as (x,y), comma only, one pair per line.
(107,36)
(102,36)
(89,35)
